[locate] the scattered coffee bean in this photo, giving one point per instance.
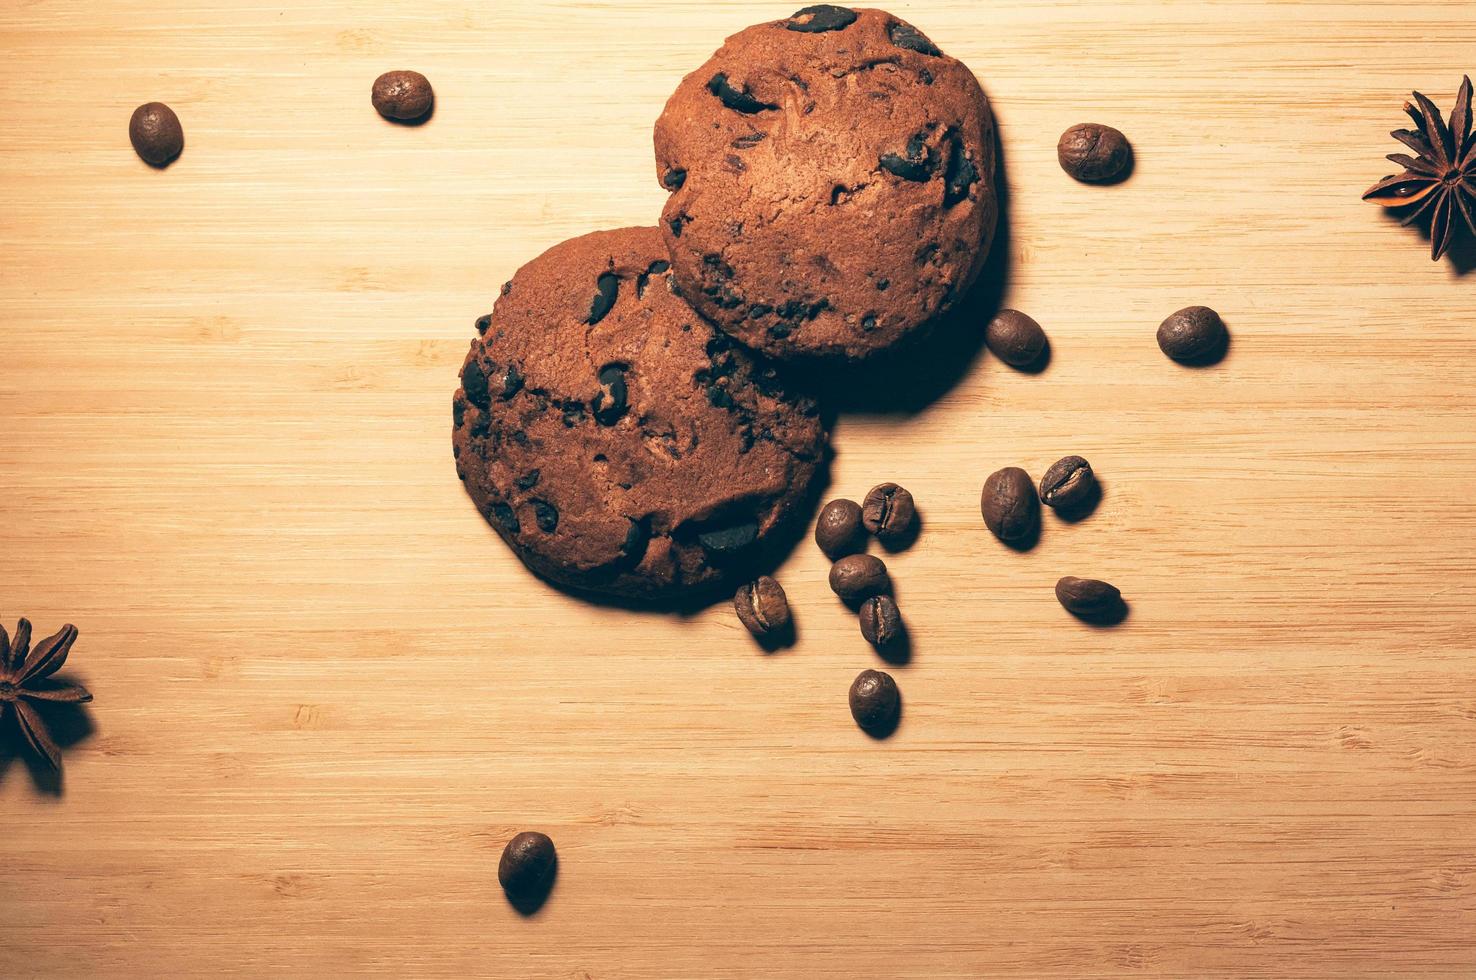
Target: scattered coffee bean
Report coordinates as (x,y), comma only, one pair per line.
(881,621)
(875,701)
(1088,598)
(1009,505)
(888,512)
(858,577)
(155,133)
(1015,338)
(402,95)
(526,863)
(1193,335)
(762,607)
(1069,485)
(1094,154)
(838,529)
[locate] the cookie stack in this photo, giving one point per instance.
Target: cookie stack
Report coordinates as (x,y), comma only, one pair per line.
(629,418)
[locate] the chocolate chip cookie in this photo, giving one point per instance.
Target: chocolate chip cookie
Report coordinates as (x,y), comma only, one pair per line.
(617,442)
(832,183)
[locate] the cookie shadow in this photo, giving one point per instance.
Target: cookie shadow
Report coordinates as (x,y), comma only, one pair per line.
(908,380)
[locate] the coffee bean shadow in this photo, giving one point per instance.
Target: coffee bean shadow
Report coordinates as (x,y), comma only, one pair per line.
(1216,356)
(1085,509)
(898,653)
(908,380)
(529,904)
(907,540)
(1110,618)
(1028,542)
(1041,362)
(883,732)
(68,724)
(417,122)
(780,639)
(1462,253)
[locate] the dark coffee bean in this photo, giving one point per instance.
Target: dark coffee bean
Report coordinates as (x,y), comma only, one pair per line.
(547,516)
(610,404)
(728,542)
(1088,598)
(474,380)
(674,178)
(1015,338)
(821,18)
(1069,485)
(909,37)
(881,622)
(875,701)
(762,607)
(1193,335)
(607,288)
(155,133)
(858,577)
(838,529)
(402,95)
(1009,504)
(1094,154)
(888,512)
(739,100)
(526,863)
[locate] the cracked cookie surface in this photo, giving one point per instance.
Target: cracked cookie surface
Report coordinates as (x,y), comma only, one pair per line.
(831,181)
(615,440)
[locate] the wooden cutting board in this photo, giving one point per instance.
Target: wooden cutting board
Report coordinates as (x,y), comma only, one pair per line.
(326,693)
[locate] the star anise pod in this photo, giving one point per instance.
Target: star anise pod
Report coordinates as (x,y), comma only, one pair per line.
(25,677)
(1440,180)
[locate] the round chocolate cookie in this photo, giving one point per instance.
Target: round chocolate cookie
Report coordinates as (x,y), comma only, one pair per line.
(618,442)
(832,183)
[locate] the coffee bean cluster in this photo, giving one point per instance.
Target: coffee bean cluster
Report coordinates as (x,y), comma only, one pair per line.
(1010,504)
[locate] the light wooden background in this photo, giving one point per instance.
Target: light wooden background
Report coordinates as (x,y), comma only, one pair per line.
(326,694)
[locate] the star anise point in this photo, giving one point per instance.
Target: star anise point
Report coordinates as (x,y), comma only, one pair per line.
(25,678)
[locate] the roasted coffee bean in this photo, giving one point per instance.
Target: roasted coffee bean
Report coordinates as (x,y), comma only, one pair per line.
(155,133)
(527,861)
(821,18)
(728,542)
(612,400)
(1089,598)
(1015,338)
(881,621)
(875,701)
(858,577)
(1069,485)
(1193,335)
(739,100)
(838,529)
(607,289)
(402,95)
(1094,154)
(909,37)
(1009,504)
(762,607)
(888,512)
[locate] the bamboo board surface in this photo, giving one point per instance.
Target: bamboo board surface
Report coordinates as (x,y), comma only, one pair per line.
(326,694)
